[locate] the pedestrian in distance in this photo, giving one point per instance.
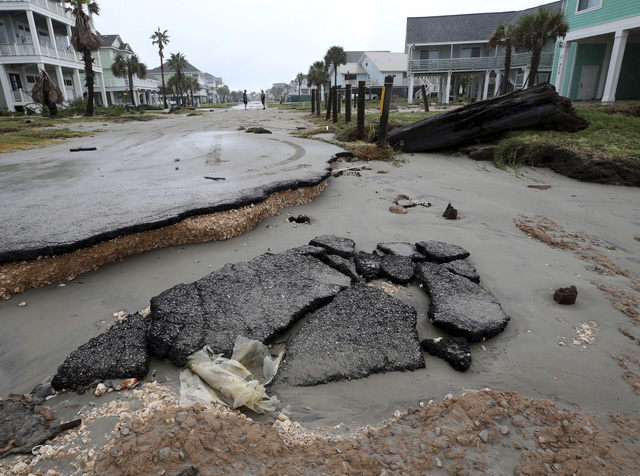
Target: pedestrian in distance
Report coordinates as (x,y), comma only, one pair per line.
(262,98)
(244,99)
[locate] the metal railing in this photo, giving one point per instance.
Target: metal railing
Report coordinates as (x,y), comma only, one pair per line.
(483,63)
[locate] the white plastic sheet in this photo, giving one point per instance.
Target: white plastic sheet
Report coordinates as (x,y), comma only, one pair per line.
(239,380)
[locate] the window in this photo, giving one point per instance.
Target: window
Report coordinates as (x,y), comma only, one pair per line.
(31,79)
(588,4)
(429,54)
(68,82)
(473,52)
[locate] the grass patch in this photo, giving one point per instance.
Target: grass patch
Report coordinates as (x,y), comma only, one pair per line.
(17,134)
(613,133)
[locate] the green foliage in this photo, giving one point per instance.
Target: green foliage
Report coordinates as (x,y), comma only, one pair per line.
(609,136)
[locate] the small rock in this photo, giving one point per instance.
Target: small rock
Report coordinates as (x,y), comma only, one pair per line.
(22,304)
(398,210)
(164,453)
(600,461)
(101,389)
(484,436)
(382,171)
(504,430)
(450,213)
(566,295)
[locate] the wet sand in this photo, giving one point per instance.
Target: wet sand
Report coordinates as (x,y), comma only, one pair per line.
(572,355)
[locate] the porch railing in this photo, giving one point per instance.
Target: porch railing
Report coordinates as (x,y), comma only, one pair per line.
(13,49)
(483,63)
(52,5)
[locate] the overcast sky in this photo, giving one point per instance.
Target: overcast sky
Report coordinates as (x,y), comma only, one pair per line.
(252,44)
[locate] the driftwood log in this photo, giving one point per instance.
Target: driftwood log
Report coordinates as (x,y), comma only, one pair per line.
(538,107)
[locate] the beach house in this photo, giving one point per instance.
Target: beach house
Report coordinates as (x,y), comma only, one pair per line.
(145,89)
(599,57)
(372,67)
(36,35)
(450,54)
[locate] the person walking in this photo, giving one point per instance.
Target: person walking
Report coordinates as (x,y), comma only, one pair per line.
(262,98)
(244,99)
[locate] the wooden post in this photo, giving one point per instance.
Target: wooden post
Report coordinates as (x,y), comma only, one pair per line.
(318,101)
(423,90)
(360,117)
(313,102)
(347,104)
(329,101)
(339,96)
(335,104)
(385,102)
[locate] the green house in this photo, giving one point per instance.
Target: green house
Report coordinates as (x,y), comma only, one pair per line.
(600,56)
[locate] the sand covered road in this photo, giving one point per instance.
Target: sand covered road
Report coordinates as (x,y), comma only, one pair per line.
(525,243)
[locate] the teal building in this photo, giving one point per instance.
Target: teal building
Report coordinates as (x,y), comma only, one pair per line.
(600,56)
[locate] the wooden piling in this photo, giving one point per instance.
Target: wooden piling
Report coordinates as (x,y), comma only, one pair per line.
(385,103)
(347,104)
(360,118)
(335,104)
(423,89)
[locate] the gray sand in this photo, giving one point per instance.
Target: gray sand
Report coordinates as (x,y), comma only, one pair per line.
(521,272)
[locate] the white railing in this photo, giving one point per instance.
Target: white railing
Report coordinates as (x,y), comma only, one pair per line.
(377,82)
(13,49)
(52,5)
(483,63)
(124,83)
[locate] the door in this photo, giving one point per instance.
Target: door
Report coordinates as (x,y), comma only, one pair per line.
(16,82)
(588,79)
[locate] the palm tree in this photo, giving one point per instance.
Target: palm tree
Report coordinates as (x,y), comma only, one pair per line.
(177,62)
(335,57)
(47,93)
(318,74)
(299,78)
(192,85)
(161,38)
(501,36)
(128,67)
(85,41)
(533,30)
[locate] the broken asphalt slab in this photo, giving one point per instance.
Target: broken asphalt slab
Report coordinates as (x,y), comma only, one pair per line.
(259,299)
(143,181)
(351,331)
(459,306)
(118,353)
(361,332)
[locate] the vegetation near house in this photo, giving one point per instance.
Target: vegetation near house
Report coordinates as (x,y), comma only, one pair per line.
(128,67)
(161,39)
(501,36)
(47,93)
(85,41)
(178,62)
(335,57)
(534,30)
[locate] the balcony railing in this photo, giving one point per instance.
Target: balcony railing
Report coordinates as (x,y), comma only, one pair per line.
(124,83)
(483,63)
(52,5)
(13,49)
(374,83)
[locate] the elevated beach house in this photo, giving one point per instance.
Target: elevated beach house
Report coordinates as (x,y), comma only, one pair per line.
(118,91)
(600,56)
(200,96)
(36,35)
(450,54)
(372,67)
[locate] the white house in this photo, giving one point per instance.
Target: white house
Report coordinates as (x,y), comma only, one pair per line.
(36,35)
